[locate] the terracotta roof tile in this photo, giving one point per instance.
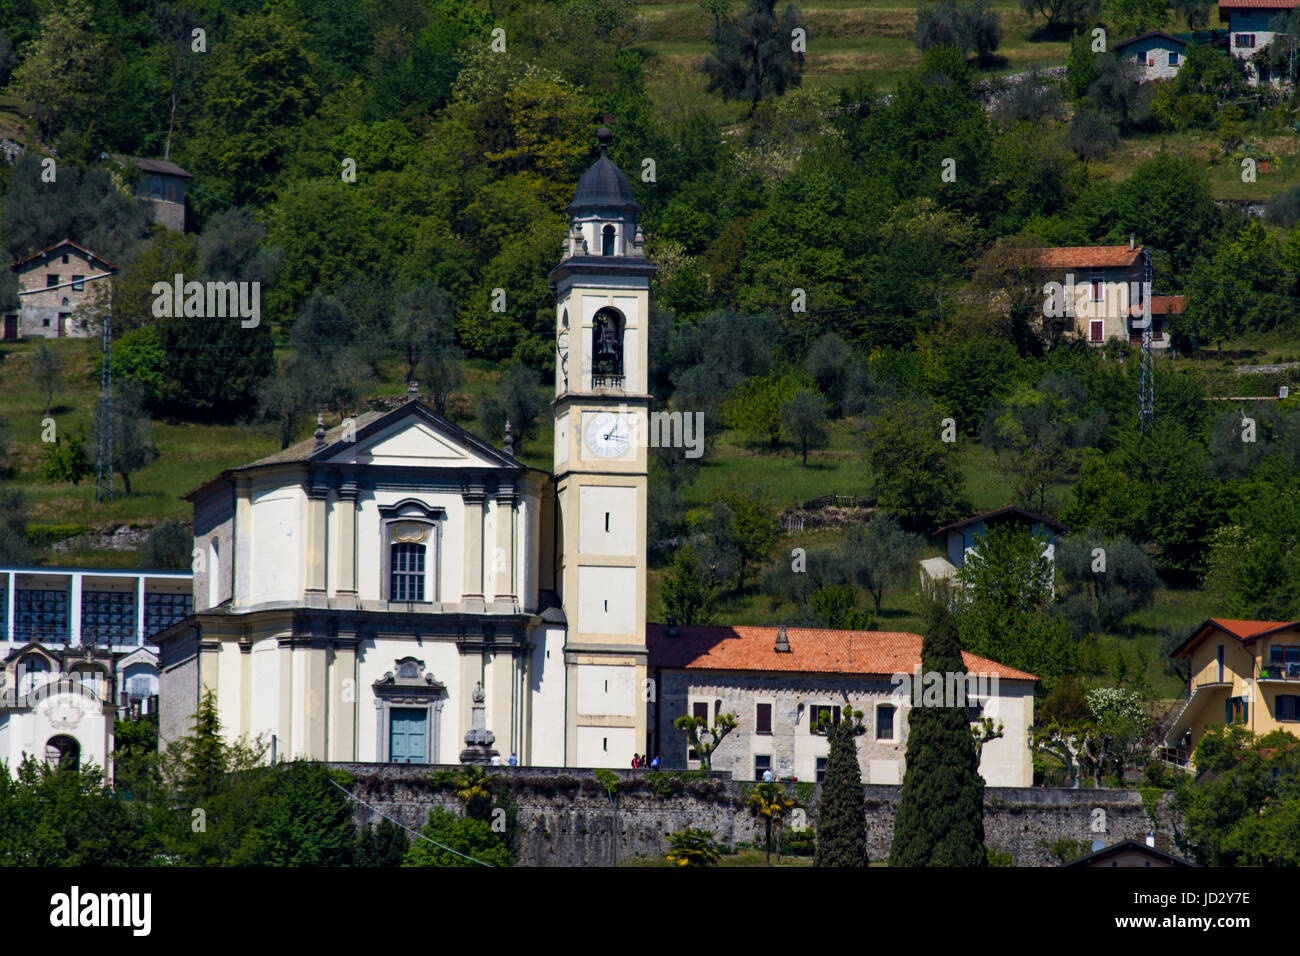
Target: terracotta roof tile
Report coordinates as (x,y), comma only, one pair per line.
(1259,4)
(1167,304)
(812,651)
(1089,257)
(1248,629)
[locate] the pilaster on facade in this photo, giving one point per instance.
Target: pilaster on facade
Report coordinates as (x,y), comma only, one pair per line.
(345,551)
(473,496)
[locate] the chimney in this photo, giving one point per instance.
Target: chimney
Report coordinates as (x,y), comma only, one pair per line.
(1132,241)
(782,642)
(412,390)
(320,432)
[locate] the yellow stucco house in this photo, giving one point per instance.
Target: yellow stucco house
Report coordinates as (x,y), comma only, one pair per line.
(1242,672)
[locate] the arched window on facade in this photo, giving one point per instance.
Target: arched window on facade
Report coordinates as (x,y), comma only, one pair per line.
(607,349)
(607,241)
(410,561)
(62,751)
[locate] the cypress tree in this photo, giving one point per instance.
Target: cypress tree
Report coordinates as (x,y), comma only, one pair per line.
(940,816)
(842,813)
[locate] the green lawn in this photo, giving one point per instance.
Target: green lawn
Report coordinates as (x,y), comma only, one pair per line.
(848,39)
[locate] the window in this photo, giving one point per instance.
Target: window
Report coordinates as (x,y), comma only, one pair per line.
(1096,330)
(1284,660)
(815,714)
(763,723)
(62,751)
(45,323)
(885,722)
(607,241)
(1236,710)
(171,192)
(700,711)
(762,765)
(1173,58)
(1219,661)
(1286,707)
(1245,41)
(406,575)
(821,769)
(65,258)
(155,187)
(51,280)
(78,282)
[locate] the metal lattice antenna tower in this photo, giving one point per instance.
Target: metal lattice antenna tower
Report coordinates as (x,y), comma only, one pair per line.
(104,464)
(1146,377)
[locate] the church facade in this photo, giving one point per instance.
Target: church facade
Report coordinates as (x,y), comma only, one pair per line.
(359,595)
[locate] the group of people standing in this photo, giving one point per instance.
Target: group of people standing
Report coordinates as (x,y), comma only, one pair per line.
(641,763)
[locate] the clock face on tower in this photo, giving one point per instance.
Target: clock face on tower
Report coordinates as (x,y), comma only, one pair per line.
(606,435)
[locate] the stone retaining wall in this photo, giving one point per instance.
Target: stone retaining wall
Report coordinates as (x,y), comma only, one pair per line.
(567,819)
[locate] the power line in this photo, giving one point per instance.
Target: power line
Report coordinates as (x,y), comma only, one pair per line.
(380,813)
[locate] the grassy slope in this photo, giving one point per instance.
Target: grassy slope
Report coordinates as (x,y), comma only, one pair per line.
(848,38)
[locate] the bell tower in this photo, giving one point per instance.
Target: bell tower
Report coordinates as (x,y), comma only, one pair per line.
(602,288)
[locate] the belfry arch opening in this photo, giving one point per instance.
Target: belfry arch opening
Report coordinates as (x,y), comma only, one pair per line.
(607,330)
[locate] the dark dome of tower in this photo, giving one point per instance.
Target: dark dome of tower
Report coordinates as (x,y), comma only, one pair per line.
(603,185)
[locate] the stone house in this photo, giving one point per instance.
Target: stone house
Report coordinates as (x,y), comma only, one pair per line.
(1249,24)
(56,288)
(162,185)
(781,681)
(1158,54)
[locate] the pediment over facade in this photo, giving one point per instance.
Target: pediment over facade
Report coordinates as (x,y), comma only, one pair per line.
(417,438)
(412,442)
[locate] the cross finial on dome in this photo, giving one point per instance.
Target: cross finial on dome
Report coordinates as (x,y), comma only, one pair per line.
(604,136)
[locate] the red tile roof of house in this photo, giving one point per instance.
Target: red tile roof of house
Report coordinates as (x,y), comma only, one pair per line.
(58,245)
(1249,629)
(1244,631)
(812,651)
(1168,304)
(1089,257)
(1259,4)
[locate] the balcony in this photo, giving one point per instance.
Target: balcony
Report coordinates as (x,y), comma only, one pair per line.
(1280,673)
(606,380)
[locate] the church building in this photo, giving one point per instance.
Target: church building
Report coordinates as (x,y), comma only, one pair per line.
(358,596)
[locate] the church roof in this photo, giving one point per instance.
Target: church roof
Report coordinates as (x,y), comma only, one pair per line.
(603,185)
(364,424)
